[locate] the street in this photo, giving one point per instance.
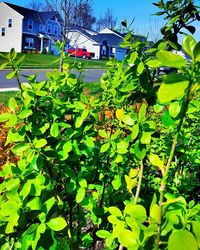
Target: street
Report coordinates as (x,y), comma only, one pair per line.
(91,75)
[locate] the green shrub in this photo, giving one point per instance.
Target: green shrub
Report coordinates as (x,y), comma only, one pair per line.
(44,51)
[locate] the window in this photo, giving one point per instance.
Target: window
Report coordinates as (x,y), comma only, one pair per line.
(9,23)
(30,24)
(29,42)
(49,28)
(3,31)
(41,27)
(55,30)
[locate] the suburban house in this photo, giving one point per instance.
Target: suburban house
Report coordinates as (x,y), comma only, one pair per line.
(103,44)
(26,29)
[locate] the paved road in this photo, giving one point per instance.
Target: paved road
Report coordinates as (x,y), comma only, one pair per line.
(91,75)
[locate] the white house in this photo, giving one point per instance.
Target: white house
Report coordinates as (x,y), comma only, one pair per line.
(26,29)
(80,38)
(104,44)
(10,29)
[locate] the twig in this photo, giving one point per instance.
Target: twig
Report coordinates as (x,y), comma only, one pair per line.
(139,183)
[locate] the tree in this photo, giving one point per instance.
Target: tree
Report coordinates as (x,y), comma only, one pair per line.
(178,15)
(83,14)
(38,6)
(108,21)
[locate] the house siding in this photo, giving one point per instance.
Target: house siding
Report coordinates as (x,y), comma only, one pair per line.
(78,40)
(13,35)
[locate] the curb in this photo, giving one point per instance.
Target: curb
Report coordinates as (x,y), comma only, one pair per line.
(8,89)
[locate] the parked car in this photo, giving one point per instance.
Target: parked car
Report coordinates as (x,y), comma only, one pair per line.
(79,52)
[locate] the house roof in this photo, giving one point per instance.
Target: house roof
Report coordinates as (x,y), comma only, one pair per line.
(33,14)
(28,13)
(112,39)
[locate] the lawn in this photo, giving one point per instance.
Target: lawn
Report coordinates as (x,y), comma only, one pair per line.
(46,61)
(5,96)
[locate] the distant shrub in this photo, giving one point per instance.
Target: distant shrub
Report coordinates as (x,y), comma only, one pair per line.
(44,51)
(51,52)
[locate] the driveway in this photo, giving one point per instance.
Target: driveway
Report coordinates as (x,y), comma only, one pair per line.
(91,75)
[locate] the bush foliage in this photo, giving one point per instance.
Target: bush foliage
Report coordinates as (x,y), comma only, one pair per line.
(116,170)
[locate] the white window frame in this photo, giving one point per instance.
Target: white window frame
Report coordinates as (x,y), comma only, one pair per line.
(30,23)
(30,41)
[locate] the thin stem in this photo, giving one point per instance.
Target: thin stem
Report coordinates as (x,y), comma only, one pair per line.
(139,183)
(137,194)
(168,164)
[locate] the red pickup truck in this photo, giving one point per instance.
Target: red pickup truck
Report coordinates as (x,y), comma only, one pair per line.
(80,53)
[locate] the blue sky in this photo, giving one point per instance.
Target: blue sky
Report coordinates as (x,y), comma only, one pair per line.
(141,10)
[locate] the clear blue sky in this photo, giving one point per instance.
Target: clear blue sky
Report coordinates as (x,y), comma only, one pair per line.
(141,10)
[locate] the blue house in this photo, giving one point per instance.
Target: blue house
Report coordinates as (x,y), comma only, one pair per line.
(40,30)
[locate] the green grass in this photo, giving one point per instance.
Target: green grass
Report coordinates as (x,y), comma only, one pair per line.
(46,61)
(5,96)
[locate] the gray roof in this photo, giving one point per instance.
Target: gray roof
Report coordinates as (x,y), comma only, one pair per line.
(112,39)
(33,14)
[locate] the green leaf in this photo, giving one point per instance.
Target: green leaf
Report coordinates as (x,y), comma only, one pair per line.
(26,189)
(35,204)
(132,58)
(196,230)
(12,104)
(137,212)
(167,121)
(79,121)
(25,113)
(116,183)
(196,52)
(182,239)
(11,75)
(54,131)
(139,151)
(57,224)
(146,137)
(122,147)
(102,133)
(20,148)
(5,117)
(20,60)
(174,109)
(140,68)
(142,113)
(128,120)
(105,147)
(135,131)
(189,44)
(39,143)
(173,88)
(12,184)
(170,59)
(115,211)
(128,239)
(83,183)
(3,65)
(49,204)
(156,161)
(67,147)
(103,234)
(80,194)
(79,105)
(154,63)
(154,213)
